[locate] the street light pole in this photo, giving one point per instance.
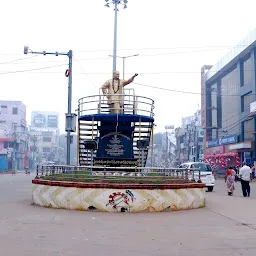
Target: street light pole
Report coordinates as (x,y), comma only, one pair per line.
(69,116)
(116,3)
(115,38)
(124,57)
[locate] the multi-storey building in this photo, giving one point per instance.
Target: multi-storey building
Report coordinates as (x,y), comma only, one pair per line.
(228,105)
(44,137)
(189,139)
(168,146)
(13,135)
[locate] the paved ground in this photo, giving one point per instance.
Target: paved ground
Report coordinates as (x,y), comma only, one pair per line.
(227,226)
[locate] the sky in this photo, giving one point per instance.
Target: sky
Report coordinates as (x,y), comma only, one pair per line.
(174,39)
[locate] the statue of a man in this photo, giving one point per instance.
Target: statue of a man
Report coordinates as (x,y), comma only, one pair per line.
(113,89)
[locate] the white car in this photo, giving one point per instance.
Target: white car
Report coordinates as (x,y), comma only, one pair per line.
(206,173)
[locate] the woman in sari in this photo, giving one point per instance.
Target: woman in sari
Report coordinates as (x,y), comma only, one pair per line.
(230,180)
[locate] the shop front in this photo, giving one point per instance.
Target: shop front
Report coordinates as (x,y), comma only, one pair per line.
(224,160)
(219,155)
(244,150)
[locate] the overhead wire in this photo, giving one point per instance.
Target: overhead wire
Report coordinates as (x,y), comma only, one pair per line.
(140,84)
(81,67)
(234,125)
(166,48)
(12,61)
(29,70)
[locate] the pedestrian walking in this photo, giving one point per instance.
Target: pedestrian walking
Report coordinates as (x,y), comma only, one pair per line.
(245,174)
(253,171)
(236,169)
(230,178)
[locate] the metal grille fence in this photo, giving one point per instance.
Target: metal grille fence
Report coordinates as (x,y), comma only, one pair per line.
(94,173)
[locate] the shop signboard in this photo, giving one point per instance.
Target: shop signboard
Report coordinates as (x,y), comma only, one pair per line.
(214,150)
(39,120)
(169,127)
(201,133)
(212,143)
(52,121)
(225,140)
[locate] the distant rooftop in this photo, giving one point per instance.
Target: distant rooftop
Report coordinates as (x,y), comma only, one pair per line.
(241,49)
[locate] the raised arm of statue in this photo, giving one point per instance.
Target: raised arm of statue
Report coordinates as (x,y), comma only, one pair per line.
(105,88)
(125,82)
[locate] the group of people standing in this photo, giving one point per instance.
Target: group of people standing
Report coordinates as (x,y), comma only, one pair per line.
(244,175)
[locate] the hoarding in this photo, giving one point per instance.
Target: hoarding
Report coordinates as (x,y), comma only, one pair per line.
(44,119)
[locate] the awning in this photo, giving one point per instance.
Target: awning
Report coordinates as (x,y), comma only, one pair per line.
(241,145)
(4,139)
(252,114)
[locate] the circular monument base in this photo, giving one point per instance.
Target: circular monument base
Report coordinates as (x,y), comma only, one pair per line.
(118,197)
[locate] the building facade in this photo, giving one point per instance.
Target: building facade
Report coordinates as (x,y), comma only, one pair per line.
(44,138)
(189,139)
(228,90)
(13,136)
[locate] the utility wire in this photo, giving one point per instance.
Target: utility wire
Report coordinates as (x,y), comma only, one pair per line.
(146,49)
(12,61)
(140,84)
(28,70)
(235,124)
(169,48)
(165,89)
(189,92)
(81,67)
(171,53)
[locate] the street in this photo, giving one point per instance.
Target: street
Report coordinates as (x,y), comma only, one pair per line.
(227,226)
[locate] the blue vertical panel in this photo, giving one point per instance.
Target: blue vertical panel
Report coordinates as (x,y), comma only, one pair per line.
(253,56)
(3,161)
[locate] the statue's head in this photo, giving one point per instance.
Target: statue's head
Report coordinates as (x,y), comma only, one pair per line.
(116,75)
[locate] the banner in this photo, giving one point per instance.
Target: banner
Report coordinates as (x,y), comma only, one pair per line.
(44,119)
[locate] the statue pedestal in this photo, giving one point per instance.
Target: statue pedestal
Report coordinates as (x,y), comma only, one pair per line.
(115,145)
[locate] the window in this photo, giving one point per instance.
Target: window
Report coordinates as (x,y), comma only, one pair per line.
(47,139)
(214,97)
(46,150)
(248,129)
(2,121)
(230,106)
(245,101)
(4,109)
(248,71)
(202,167)
(15,111)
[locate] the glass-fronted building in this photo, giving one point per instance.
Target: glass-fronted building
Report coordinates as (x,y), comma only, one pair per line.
(228,91)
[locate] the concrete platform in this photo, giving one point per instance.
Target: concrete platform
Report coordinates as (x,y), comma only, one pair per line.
(226,226)
(107,197)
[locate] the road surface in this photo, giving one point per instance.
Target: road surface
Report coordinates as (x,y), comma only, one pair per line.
(227,226)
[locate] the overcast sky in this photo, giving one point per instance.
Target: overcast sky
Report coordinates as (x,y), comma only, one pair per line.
(174,39)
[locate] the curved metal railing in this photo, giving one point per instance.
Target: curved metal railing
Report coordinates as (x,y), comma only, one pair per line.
(131,104)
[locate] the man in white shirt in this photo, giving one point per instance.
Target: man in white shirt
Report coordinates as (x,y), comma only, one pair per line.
(245,174)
